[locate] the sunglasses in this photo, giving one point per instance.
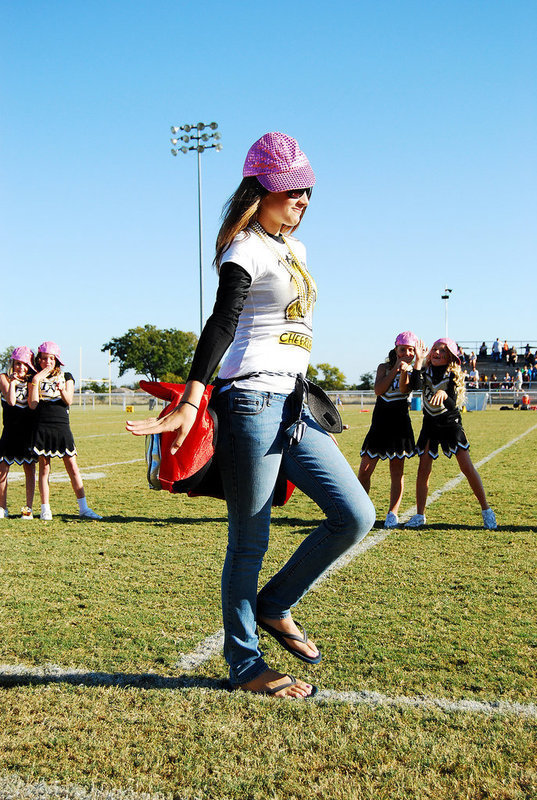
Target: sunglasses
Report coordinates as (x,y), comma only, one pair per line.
(296,193)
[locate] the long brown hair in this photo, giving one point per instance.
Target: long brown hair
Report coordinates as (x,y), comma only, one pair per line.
(239,211)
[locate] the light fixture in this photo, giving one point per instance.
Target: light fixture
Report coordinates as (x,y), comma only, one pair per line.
(198,142)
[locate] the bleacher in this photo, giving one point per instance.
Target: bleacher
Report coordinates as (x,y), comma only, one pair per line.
(487,366)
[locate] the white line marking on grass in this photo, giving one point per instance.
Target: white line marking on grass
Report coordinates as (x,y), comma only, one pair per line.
(14,788)
(117,463)
(56,674)
(498,707)
(87,475)
(212,644)
(58,477)
(102,435)
(203,652)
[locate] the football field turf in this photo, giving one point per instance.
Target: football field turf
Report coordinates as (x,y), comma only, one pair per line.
(112,682)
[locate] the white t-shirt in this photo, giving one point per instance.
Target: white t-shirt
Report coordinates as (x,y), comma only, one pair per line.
(274,332)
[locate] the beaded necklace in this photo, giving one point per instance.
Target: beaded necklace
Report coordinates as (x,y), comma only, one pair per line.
(307,290)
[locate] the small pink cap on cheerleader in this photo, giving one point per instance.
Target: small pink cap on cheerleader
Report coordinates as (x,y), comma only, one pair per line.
(23,354)
(451,345)
(406,338)
(52,349)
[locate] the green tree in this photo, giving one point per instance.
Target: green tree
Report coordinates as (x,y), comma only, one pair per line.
(332,378)
(4,358)
(153,352)
(171,377)
(312,374)
(367,381)
(99,387)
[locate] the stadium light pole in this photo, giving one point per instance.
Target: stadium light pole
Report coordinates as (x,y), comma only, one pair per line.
(195,139)
(445,298)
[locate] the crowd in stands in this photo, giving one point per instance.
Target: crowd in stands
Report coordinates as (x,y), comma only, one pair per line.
(522,377)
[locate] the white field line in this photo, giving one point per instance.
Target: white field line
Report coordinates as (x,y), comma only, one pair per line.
(102,435)
(55,674)
(116,463)
(87,474)
(213,643)
(14,788)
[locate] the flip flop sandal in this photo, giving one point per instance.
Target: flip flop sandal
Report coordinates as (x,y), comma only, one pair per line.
(281,639)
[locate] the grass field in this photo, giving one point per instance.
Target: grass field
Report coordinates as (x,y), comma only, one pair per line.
(428,681)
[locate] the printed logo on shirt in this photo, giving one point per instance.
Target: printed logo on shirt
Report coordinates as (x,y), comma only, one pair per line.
(302,306)
(296,339)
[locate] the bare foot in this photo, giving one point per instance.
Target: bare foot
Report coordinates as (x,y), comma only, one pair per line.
(269,680)
(287,625)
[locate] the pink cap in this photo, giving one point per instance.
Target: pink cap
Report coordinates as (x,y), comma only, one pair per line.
(52,348)
(451,345)
(406,337)
(278,163)
(23,354)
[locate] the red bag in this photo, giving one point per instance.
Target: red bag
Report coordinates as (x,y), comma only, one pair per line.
(191,468)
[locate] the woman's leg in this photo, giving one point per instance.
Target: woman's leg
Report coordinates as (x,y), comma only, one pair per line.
(44,474)
(71,467)
(248,454)
(367,467)
(472,476)
(318,468)
(29,472)
(397,467)
(422,480)
(4,469)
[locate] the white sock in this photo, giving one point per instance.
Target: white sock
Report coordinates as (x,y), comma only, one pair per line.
(82,504)
(45,507)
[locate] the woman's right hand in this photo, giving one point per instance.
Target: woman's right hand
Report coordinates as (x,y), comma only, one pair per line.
(180,420)
(40,376)
(421,353)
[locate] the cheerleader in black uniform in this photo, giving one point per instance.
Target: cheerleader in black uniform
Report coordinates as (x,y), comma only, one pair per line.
(443,397)
(16,441)
(390,435)
(52,391)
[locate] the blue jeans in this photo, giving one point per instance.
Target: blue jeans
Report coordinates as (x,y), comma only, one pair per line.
(253,442)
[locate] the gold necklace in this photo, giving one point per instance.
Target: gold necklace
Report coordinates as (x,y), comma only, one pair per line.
(305,285)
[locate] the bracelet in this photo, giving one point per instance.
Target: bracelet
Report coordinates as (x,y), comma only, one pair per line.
(188,403)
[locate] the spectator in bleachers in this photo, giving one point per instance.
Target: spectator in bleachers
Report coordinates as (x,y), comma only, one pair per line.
(483,350)
(473,379)
(534,372)
(483,382)
(472,361)
(530,360)
(494,381)
(518,380)
(505,352)
(496,350)
(513,356)
(527,351)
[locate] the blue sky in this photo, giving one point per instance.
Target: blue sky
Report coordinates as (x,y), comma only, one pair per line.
(419,119)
